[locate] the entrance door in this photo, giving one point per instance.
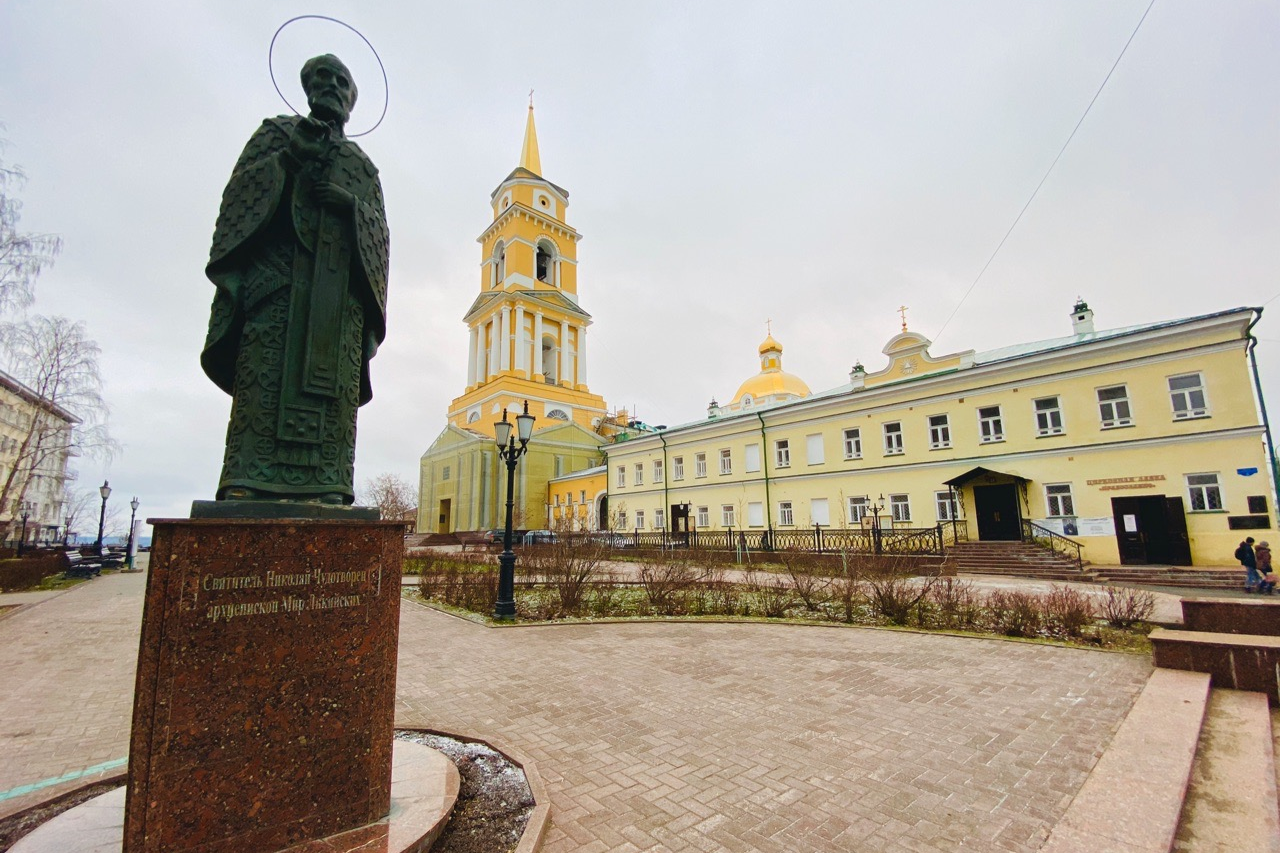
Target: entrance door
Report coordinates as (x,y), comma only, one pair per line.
(1151,529)
(997,511)
(442,525)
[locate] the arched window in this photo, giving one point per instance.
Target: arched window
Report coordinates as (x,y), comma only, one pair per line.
(550,360)
(499,263)
(473,417)
(558,415)
(545,262)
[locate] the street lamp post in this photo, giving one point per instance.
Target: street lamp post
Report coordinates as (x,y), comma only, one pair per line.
(105,491)
(133,512)
(877,508)
(26,513)
(66,532)
(510,451)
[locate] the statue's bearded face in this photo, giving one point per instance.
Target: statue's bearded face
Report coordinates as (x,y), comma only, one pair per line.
(331,93)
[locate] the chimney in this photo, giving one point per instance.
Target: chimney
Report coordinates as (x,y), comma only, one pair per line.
(1081,318)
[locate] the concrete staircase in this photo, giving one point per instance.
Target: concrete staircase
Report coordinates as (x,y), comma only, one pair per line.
(1013,559)
(1170,576)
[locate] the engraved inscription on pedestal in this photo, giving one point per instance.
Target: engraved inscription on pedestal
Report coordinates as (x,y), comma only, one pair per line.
(266,684)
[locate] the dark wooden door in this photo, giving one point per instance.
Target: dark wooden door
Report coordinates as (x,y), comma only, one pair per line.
(1129,538)
(1176,525)
(997,511)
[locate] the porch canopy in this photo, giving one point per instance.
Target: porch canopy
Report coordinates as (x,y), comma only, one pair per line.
(974,473)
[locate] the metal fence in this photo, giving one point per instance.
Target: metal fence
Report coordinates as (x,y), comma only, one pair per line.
(818,540)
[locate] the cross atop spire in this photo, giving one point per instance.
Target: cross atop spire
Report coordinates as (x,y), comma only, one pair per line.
(529,158)
(902,309)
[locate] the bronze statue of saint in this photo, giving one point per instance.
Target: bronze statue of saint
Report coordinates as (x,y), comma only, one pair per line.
(299,262)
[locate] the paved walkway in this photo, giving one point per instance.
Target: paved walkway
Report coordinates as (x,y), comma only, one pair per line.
(668,736)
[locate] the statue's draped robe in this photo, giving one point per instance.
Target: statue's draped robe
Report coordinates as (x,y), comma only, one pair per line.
(299,310)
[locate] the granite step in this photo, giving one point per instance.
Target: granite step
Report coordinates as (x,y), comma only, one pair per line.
(1231,798)
(1235,661)
(1134,795)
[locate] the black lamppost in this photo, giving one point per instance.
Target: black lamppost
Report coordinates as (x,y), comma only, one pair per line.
(133,507)
(876,508)
(66,532)
(105,491)
(26,513)
(510,451)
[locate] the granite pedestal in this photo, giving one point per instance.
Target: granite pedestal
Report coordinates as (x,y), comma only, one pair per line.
(266,683)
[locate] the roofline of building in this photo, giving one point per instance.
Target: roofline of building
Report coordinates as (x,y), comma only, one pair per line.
(35,399)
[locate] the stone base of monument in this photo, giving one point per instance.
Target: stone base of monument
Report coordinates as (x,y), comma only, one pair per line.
(266,679)
(424,788)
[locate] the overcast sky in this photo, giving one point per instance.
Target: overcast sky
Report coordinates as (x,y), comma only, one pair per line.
(817,164)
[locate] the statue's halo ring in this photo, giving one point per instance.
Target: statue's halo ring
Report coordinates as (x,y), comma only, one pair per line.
(385,87)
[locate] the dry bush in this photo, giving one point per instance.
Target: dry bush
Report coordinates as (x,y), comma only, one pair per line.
(1123,608)
(665,579)
(847,587)
(957,603)
(469,581)
(1014,613)
(1067,611)
(569,566)
(772,593)
(893,593)
(809,578)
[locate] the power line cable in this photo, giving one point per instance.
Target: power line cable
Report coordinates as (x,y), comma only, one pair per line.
(1034,192)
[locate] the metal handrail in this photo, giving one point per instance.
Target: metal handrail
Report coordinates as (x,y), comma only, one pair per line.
(1057,543)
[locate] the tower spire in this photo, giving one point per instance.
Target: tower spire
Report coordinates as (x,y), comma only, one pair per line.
(529,158)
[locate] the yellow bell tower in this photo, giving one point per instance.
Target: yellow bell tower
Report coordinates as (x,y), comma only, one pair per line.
(528,333)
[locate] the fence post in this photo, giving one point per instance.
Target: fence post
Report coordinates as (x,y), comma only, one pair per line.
(817,538)
(875,538)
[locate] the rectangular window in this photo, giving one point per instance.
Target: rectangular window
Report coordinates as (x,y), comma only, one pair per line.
(948,510)
(677,468)
(657,471)
(900,507)
(853,443)
(622,477)
(892,438)
(857,509)
(557,500)
(726,462)
(659,519)
(990,425)
(1113,406)
(726,515)
(786,517)
(582,496)
(1204,491)
(755,514)
(639,519)
(446,472)
(639,473)
(782,453)
(700,465)
(1059,500)
(751,458)
(1048,416)
(818,512)
(1187,395)
(703,517)
(939,431)
(814,450)
(622,519)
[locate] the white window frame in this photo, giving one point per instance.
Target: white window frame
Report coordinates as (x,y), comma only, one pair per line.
(659,519)
(702,516)
(639,519)
(1115,419)
(815,450)
(728,518)
(622,519)
(726,461)
(782,453)
(621,481)
(699,465)
(939,433)
(819,512)
(677,468)
(893,443)
(755,514)
(942,506)
(900,510)
(856,508)
(786,514)
(1059,500)
(1046,427)
(1187,396)
(853,443)
(658,472)
(639,473)
(1207,490)
(751,458)
(990,427)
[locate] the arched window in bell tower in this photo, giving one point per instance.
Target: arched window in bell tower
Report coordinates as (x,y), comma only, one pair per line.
(545,262)
(550,360)
(499,264)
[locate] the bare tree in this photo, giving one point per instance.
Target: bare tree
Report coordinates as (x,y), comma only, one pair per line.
(22,255)
(58,364)
(391,494)
(76,505)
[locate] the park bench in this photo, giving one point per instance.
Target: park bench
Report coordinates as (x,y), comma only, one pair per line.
(76,566)
(479,540)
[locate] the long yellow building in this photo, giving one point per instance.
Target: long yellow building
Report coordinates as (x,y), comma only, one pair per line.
(1144,443)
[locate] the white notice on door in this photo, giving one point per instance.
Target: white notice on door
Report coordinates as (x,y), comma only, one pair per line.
(1130,524)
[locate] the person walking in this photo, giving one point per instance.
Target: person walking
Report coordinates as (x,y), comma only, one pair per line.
(1245,555)
(1266,580)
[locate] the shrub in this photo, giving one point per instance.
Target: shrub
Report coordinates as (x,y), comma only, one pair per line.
(846,587)
(1123,608)
(891,590)
(1067,611)
(569,566)
(1014,613)
(471,584)
(665,579)
(28,572)
(771,593)
(957,603)
(808,579)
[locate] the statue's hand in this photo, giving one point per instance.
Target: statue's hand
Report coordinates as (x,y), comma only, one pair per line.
(309,140)
(332,195)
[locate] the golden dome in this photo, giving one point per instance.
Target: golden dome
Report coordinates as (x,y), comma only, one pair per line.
(770,345)
(772,382)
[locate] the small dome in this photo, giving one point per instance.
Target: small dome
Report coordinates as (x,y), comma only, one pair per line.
(770,345)
(773,382)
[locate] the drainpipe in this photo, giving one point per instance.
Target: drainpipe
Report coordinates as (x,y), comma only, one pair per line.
(1262,403)
(764,466)
(666,498)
